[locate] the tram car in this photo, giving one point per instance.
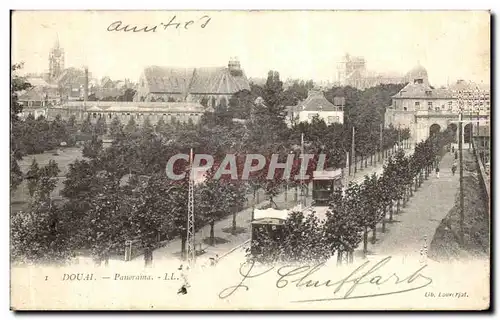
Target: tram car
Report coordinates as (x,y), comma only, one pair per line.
(267,223)
(324,183)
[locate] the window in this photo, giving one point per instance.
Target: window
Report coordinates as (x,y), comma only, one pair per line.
(450,105)
(405,108)
(437,109)
(429,105)
(417,105)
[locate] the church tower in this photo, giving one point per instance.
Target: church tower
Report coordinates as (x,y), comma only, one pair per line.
(56,61)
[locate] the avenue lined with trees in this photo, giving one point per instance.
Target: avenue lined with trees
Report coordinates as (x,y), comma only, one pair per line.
(121,192)
(356,211)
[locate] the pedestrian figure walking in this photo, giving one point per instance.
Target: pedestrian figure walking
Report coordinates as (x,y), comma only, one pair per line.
(437,172)
(454,167)
(423,251)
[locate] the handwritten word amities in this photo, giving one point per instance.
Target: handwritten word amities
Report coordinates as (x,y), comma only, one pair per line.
(172,24)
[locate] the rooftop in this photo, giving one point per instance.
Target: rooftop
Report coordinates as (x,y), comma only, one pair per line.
(315,101)
(128,106)
(422,91)
(218,80)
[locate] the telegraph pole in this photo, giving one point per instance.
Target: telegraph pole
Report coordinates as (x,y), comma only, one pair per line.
(460,138)
(381,153)
(399,136)
(353,152)
(191,248)
(479,103)
(462,218)
(303,202)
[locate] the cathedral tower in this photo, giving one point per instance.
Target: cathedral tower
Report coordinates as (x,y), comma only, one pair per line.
(56,61)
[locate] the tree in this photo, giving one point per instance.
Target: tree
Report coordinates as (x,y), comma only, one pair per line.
(71,130)
(128,95)
(162,127)
(299,239)
(147,129)
(33,176)
(211,202)
(86,126)
(116,128)
(93,147)
(16,176)
(343,225)
(47,182)
(104,221)
(100,126)
(241,104)
(40,235)
(131,126)
(57,132)
(17,85)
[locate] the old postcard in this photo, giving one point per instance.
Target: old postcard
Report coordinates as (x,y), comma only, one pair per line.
(250,160)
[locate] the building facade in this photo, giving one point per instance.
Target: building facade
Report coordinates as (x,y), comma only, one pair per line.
(170,112)
(315,105)
(37,99)
(424,109)
(207,86)
(352,71)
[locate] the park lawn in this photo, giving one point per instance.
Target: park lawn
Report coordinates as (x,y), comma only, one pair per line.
(64,157)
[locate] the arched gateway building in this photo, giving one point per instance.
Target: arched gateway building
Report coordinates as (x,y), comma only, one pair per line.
(425,109)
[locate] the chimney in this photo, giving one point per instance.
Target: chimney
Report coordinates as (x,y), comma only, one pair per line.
(234,66)
(86,86)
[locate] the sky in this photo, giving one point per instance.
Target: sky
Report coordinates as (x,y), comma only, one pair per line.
(299,44)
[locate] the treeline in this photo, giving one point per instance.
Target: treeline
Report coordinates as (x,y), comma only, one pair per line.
(121,192)
(354,212)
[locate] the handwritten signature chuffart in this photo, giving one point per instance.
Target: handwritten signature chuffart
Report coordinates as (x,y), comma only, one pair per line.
(344,288)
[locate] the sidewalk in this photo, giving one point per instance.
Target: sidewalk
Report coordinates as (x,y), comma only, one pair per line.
(413,229)
(243,222)
(225,240)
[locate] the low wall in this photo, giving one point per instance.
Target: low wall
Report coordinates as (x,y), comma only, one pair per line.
(484,179)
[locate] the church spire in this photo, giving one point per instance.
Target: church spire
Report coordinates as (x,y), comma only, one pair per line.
(56,44)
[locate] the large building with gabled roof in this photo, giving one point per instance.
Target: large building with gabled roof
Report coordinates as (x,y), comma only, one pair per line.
(211,86)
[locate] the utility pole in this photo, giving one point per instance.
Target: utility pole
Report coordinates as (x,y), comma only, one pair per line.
(348,162)
(353,152)
(478,108)
(460,141)
(399,136)
(462,218)
(302,186)
(191,248)
(381,153)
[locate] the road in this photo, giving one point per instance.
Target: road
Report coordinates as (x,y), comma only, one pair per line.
(413,229)
(415,226)
(243,219)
